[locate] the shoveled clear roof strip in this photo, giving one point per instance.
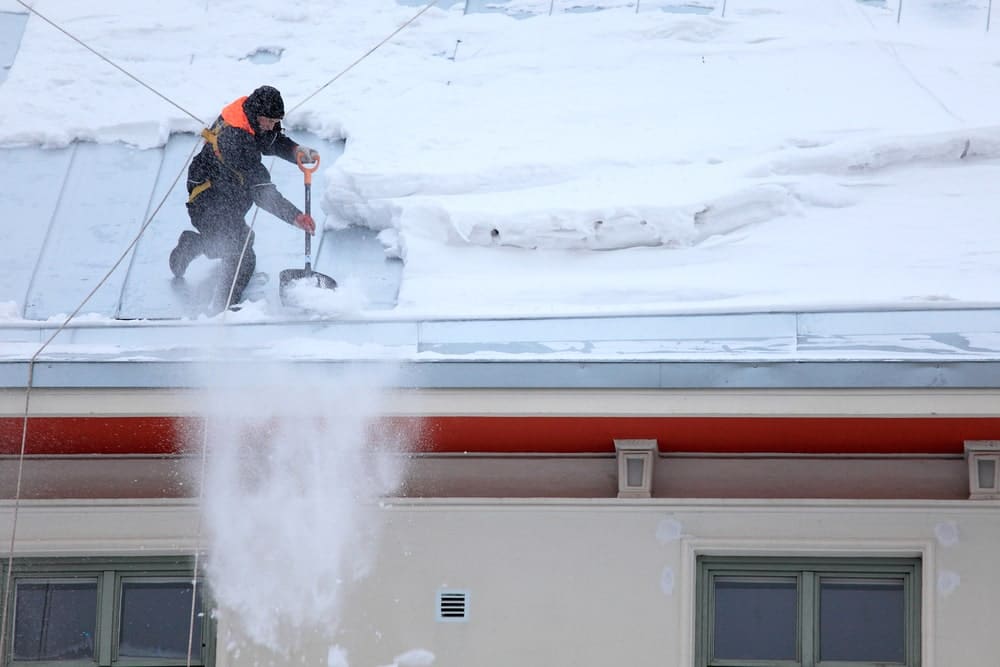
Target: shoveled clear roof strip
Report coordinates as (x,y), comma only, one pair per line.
(33,179)
(101,208)
(151,292)
(86,202)
(150,255)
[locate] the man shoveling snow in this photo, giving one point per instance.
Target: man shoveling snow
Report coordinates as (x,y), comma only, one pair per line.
(226,179)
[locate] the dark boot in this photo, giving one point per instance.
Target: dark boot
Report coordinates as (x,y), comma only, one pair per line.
(187,249)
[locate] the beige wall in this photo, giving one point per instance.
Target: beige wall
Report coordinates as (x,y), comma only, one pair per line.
(603,582)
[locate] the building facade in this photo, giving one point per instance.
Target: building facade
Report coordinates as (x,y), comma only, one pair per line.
(542,513)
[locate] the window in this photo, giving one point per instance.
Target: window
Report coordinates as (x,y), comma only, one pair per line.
(808,612)
(106,613)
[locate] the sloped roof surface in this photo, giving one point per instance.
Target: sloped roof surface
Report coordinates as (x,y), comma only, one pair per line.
(53,257)
(11,29)
(56,256)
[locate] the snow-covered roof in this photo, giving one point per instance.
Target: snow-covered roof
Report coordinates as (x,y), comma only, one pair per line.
(750,182)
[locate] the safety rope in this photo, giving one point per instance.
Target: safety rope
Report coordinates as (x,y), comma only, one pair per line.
(898,60)
(30,384)
(108,60)
(8,575)
(197,545)
(243,252)
(204,458)
(365,55)
(7,598)
(339,74)
(34,357)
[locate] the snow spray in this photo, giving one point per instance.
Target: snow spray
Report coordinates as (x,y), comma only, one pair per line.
(294,470)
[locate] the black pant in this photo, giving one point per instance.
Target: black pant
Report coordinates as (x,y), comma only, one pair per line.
(222,234)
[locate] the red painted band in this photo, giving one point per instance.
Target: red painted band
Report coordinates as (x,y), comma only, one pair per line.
(849,435)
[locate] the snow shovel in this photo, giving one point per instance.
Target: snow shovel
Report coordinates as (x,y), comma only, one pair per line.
(288,277)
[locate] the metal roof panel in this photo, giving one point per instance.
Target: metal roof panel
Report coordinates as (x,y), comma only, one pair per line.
(71,213)
(11,30)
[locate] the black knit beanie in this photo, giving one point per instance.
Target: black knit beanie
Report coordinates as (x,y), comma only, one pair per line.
(265,101)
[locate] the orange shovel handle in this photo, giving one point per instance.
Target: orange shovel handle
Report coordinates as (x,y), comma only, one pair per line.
(307,172)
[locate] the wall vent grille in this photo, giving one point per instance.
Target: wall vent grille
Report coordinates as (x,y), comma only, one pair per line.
(452,606)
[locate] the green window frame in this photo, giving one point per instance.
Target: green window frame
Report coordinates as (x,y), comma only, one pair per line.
(793,591)
(120,587)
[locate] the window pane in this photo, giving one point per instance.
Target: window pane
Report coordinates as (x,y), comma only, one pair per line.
(862,620)
(755,618)
(987,472)
(633,471)
(155,620)
(55,620)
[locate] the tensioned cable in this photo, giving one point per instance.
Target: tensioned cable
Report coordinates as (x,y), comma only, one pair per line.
(229,298)
(239,265)
(204,466)
(204,461)
(365,55)
(339,74)
(891,50)
(76,311)
(30,384)
(197,546)
(243,252)
(108,60)
(225,311)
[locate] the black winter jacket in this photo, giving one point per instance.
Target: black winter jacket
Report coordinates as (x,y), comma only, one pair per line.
(233,167)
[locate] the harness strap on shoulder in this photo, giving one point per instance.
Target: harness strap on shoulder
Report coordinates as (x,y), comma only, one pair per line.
(198,189)
(211,137)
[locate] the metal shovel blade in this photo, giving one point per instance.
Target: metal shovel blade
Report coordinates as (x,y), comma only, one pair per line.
(289,277)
